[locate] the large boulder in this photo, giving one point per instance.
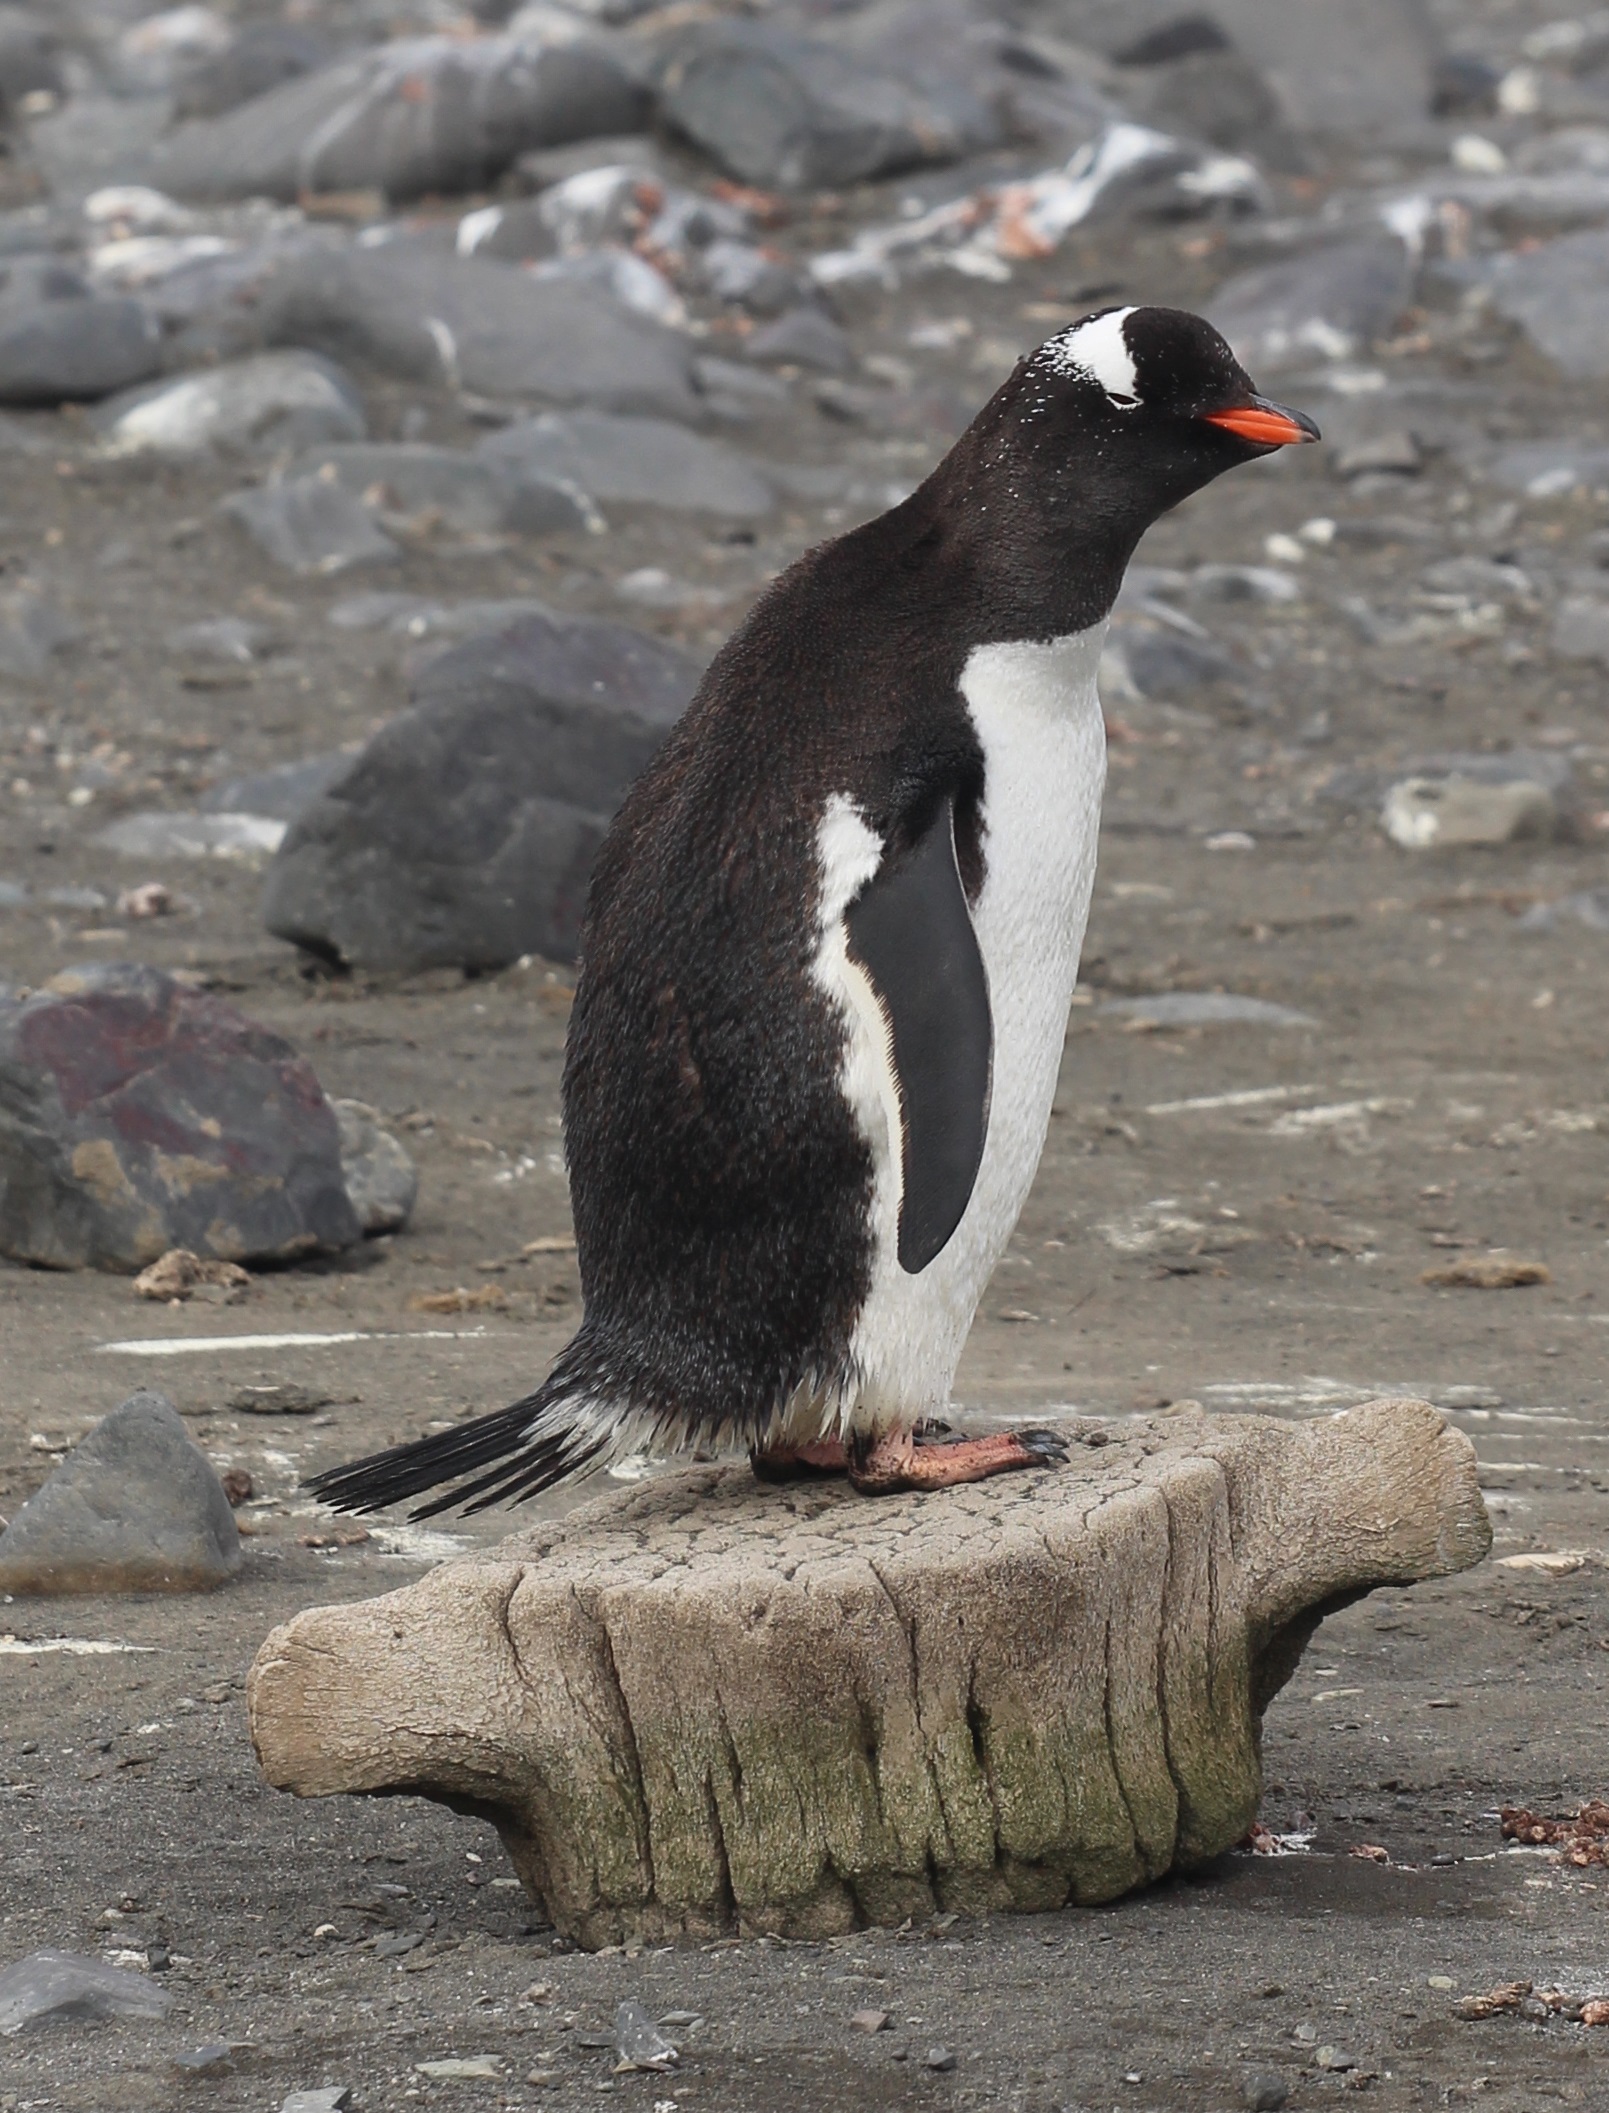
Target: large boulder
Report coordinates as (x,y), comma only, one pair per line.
(135,1507)
(138,1115)
(1559,295)
(428,316)
(464,834)
(1330,304)
(418,115)
(264,56)
(708,1704)
(1338,67)
(267,404)
(1345,67)
(61,342)
(777,109)
(631,461)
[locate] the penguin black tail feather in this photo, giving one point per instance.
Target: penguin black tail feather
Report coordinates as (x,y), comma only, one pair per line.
(513,1453)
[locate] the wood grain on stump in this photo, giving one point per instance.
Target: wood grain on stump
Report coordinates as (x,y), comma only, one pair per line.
(706,1704)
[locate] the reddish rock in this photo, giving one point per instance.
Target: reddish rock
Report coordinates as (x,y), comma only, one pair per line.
(138,1115)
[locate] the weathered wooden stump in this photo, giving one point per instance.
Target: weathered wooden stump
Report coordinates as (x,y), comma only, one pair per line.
(708,1704)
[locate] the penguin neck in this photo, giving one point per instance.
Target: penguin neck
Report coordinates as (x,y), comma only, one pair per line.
(1034,554)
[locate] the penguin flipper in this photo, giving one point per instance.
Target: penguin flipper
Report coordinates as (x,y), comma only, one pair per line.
(911,931)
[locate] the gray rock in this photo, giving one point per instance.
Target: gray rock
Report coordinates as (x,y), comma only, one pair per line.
(774,108)
(1218,95)
(485,327)
(212,2058)
(1328,305)
(736,393)
(1267,584)
(60,342)
(278,794)
(416,616)
(464,833)
(633,461)
(411,478)
(49,1985)
(1559,295)
(264,56)
(1589,907)
(381,1179)
(1547,469)
(1206,1008)
(1392,453)
(32,630)
(30,58)
(311,525)
(161,833)
(414,116)
(1435,813)
(639,2043)
(1166,663)
(138,1115)
(134,1507)
(1265,2091)
(1482,578)
(1581,629)
(232,640)
(803,337)
(1342,68)
(92,139)
(269,404)
(741,272)
(333,2098)
(468,493)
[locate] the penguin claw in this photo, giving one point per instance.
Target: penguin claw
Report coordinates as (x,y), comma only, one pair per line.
(1048,1447)
(898,1460)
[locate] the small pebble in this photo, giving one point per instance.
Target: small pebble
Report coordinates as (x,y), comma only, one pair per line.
(938,2058)
(1265,2091)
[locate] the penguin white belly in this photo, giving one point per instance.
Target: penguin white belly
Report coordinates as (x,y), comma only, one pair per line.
(1038,719)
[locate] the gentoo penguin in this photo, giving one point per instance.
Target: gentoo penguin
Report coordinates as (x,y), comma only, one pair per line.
(830,948)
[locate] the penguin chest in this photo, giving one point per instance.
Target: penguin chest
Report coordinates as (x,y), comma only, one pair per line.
(1038,720)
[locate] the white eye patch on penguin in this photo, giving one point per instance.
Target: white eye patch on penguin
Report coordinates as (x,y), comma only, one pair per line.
(1097,350)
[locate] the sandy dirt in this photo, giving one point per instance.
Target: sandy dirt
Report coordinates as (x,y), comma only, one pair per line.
(1239,1214)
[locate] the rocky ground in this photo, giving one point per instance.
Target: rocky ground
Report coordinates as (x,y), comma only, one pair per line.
(1338,664)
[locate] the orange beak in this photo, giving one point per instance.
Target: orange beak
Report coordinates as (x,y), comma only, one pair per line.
(1266,425)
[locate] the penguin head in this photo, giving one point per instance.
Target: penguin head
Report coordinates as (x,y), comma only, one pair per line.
(1156,395)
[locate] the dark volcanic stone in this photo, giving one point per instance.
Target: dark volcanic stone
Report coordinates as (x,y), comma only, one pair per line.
(635,461)
(1559,295)
(264,56)
(135,1507)
(30,57)
(466,492)
(311,525)
(281,792)
(1329,304)
(464,834)
(137,1115)
(774,108)
(803,337)
(62,343)
(381,1178)
(266,404)
(487,327)
(50,1985)
(420,115)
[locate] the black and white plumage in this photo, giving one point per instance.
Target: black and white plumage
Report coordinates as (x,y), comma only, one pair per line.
(832,941)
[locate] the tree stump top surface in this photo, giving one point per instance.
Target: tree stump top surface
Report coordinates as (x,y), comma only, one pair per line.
(706,1703)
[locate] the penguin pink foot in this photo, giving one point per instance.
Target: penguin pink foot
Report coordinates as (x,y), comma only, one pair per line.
(898,1460)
